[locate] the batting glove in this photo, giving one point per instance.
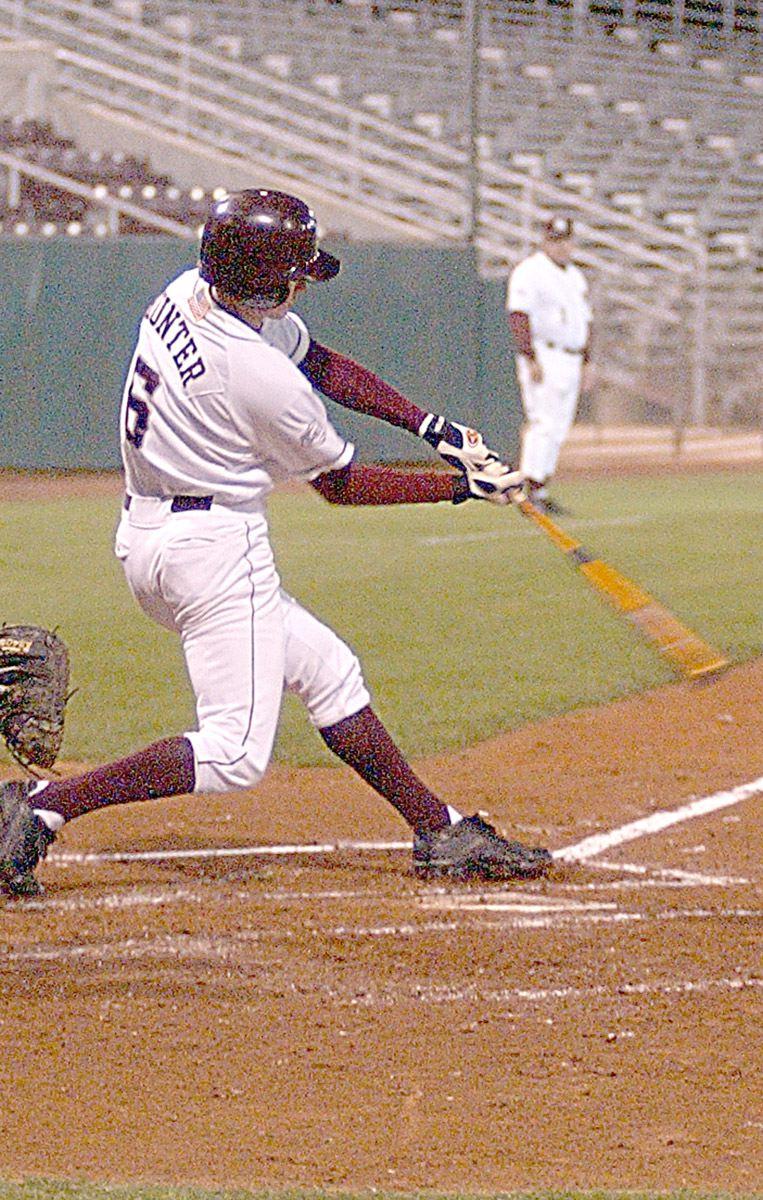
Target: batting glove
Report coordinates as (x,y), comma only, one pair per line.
(494,482)
(458,445)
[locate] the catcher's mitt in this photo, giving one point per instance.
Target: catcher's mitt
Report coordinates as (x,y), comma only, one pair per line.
(34,682)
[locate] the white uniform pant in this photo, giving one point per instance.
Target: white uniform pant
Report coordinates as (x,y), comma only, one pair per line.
(210,576)
(549,409)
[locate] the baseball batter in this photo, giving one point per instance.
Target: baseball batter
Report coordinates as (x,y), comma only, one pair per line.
(550,322)
(220,403)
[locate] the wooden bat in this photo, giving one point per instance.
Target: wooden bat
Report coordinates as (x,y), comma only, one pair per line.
(683,648)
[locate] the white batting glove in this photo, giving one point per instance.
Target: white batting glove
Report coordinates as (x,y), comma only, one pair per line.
(458,445)
(495,482)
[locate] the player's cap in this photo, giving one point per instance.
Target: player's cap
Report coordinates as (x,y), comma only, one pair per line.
(558,227)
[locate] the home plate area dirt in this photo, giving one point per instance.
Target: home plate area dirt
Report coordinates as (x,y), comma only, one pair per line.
(319,1017)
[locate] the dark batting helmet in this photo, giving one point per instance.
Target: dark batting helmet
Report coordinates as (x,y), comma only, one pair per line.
(255,242)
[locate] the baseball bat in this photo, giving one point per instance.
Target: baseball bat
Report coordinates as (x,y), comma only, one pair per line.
(684,649)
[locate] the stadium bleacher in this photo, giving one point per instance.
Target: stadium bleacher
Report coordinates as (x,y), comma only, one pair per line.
(654,119)
(39,207)
(642,117)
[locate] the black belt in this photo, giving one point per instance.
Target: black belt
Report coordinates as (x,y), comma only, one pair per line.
(564,349)
(184,503)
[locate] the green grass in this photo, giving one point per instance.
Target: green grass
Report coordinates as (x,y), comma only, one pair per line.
(55,1190)
(467,621)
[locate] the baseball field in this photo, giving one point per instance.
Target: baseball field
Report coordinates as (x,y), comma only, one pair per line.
(248,995)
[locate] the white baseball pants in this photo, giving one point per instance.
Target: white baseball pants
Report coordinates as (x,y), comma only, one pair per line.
(549,409)
(210,577)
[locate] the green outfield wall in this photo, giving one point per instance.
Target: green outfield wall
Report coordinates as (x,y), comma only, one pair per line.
(421,317)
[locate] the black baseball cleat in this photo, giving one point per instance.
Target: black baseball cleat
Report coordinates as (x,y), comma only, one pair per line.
(472,849)
(24,840)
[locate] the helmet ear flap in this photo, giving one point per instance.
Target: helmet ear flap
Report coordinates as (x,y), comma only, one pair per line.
(263,300)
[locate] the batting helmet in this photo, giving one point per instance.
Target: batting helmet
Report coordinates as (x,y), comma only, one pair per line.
(255,242)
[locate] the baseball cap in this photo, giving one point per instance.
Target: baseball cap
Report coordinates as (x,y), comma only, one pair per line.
(558,227)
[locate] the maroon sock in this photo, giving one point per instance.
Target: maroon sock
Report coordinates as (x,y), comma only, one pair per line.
(363,743)
(164,769)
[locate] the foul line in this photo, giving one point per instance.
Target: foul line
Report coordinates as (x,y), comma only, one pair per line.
(488,535)
(578,852)
(656,822)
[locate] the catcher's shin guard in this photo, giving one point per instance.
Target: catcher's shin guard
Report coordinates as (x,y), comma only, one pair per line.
(24,840)
(472,849)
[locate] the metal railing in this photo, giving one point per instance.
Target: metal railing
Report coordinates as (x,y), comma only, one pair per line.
(226,105)
(96,195)
(646,278)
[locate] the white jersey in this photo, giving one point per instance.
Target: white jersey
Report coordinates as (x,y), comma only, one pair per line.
(555,299)
(214,407)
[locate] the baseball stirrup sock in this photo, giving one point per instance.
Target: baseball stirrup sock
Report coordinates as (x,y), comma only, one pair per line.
(165,768)
(364,744)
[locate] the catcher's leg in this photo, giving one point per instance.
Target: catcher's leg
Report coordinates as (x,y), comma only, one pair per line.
(24,839)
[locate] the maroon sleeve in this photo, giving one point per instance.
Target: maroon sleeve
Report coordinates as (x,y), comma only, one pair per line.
(354,386)
(373,483)
(519,324)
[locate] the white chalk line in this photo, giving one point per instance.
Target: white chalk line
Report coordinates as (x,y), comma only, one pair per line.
(581,851)
(197,947)
(662,876)
(652,876)
(590,847)
(201,894)
(510,910)
(489,535)
(655,883)
(204,894)
(447,994)
(67,857)
(526,912)
(603,914)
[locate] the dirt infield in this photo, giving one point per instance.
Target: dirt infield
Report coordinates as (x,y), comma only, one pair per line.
(214,991)
(325,1019)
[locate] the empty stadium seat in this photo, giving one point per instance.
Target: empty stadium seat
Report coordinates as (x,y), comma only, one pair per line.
(646,119)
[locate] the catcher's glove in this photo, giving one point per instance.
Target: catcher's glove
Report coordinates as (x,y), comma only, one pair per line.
(34,682)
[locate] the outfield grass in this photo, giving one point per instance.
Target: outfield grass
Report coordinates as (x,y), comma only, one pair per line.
(55,1190)
(467,621)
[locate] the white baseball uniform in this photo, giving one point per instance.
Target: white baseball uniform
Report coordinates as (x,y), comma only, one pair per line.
(213,413)
(555,300)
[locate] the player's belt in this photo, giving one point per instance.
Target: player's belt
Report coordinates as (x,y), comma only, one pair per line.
(184,503)
(564,349)
(188,503)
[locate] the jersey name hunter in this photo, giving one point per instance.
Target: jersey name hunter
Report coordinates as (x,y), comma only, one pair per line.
(176,335)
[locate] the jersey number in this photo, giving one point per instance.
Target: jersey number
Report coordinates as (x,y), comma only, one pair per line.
(143,384)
